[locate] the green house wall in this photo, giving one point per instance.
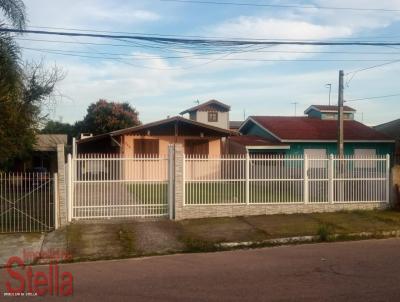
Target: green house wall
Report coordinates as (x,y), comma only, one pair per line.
(297,148)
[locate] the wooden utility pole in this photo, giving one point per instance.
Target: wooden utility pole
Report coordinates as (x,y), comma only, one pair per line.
(340,115)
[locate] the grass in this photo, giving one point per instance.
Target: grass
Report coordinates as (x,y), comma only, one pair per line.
(149,193)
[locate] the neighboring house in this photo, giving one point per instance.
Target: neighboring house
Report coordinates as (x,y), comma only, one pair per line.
(314,135)
(235,125)
(154,138)
(392,129)
(213,113)
(44,154)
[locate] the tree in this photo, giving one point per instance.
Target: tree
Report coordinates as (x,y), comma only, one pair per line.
(104,116)
(10,71)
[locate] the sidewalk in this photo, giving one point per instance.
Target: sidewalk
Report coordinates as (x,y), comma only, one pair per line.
(124,239)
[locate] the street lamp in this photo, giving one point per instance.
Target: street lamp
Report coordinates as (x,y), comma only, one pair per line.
(330,88)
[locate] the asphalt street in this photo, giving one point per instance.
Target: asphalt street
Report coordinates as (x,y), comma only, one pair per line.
(343,271)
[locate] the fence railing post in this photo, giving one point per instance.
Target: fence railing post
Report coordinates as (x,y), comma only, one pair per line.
(171,182)
(70,189)
(247,178)
(387,178)
(330,179)
(305,189)
(56,205)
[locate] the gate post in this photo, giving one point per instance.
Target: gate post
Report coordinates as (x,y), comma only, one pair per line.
(305,189)
(171,181)
(247,177)
(56,203)
(330,179)
(179,182)
(70,184)
(62,181)
(387,178)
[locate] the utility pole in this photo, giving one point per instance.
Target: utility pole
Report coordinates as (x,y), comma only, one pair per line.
(295,108)
(340,115)
(330,88)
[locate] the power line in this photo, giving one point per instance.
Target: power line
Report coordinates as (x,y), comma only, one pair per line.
(254,51)
(202,42)
(374,97)
(70,52)
(360,9)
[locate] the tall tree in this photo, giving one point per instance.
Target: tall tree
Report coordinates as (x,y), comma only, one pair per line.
(104,116)
(10,71)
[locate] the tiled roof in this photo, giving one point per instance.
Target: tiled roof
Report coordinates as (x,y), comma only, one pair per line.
(253,140)
(234,125)
(305,128)
(210,105)
(328,108)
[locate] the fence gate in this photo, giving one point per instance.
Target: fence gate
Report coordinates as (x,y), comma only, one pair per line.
(109,186)
(27,202)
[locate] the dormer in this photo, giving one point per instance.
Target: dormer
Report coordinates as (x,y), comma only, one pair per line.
(213,113)
(325,112)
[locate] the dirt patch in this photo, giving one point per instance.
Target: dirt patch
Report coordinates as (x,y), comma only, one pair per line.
(216,230)
(158,237)
(277,226)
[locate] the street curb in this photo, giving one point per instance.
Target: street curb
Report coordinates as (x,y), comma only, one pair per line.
(308,239)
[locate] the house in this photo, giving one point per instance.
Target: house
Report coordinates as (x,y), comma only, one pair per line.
(392,129)
(154,138)
(213,113)
(235,125)
(314,134)
(43,157)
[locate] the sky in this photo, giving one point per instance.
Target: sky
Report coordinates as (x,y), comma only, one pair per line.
(257,81)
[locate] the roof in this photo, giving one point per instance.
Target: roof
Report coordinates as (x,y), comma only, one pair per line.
(253,140)
(287,128)
(391,128)
(234,125)
(210,105)
(166,124)
(328,108)
(49,142)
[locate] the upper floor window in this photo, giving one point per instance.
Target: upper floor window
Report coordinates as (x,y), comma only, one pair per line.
(213,116)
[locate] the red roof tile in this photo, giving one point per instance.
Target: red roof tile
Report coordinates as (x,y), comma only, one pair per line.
(305,128)
(253,140)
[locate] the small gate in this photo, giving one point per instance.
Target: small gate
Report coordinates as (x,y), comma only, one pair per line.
(27,202)
(110,186)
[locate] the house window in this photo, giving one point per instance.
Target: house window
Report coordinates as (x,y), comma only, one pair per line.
(213,116)
(196,146)
(316,158)
(146,146)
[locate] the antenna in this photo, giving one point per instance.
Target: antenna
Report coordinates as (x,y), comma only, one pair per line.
(244,114)
(295,108)
(329,85)
(197,102)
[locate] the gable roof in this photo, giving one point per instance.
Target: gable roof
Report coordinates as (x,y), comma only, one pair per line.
(210,105)
(287,128)
(49,142)
(328,108)
(391,128)
(183,124)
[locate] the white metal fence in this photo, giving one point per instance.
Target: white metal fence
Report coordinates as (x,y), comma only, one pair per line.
(27,202)
(275,179)
(109,186)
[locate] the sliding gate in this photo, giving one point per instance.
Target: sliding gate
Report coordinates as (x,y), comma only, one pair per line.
(109,186)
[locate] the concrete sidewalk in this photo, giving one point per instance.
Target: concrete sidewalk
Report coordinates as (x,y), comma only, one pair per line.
(94,240)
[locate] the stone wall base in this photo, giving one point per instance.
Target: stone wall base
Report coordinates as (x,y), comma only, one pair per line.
(207,211)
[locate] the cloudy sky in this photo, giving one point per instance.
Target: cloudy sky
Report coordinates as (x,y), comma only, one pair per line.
(162,81)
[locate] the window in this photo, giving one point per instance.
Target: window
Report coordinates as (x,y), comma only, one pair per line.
(213,116)
(146,146)
(196,146)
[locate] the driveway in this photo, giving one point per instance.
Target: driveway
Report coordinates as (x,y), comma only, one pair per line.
(347,271)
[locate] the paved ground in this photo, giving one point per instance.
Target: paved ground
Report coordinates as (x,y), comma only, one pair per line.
(347,271)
